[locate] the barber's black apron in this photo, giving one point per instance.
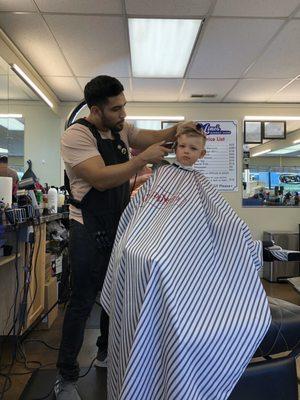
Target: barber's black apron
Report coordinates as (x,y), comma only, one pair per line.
(101,210)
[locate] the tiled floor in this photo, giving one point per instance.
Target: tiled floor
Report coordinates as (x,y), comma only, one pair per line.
(38,352)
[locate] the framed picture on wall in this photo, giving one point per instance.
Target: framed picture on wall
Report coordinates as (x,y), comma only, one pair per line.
(274,129)
(253,132)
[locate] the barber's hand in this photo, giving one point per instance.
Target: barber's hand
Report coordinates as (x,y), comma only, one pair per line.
(188,124)
(154,153)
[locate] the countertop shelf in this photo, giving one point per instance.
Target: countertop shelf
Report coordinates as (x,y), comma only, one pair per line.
(7,259)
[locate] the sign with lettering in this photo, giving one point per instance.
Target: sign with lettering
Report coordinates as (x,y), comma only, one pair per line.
(220,164)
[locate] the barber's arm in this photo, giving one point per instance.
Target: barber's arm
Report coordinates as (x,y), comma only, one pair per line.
(101,177)
(147,137)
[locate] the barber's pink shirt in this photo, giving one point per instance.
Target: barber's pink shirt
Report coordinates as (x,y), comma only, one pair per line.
(77,145)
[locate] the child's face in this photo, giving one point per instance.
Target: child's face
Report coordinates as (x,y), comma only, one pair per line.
(189,149)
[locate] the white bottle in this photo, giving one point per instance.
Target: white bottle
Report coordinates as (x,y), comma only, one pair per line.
(61,199)
(52,200)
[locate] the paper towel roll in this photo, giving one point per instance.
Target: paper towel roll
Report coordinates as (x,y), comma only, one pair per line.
(6,184)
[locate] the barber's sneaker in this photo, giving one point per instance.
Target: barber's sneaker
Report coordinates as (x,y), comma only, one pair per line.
(65,390)
(101,360)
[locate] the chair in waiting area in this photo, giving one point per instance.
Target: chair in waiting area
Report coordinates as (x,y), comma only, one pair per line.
(274,378)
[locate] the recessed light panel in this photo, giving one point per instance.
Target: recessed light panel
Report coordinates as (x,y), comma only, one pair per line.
(161,48)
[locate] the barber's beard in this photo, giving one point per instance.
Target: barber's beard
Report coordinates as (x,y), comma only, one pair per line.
(113,127)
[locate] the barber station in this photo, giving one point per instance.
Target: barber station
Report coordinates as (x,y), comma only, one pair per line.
(149,200)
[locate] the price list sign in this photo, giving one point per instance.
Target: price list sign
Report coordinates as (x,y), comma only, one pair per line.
(220,164)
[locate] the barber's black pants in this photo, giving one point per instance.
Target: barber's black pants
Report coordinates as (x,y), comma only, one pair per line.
(88,269)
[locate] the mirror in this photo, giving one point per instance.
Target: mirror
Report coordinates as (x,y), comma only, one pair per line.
(13,93)
(271,169)
(12,142)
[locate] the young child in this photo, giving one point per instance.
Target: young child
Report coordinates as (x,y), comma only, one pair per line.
(187,308)
(190,146)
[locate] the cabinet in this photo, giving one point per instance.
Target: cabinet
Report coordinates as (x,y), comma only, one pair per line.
(36,295)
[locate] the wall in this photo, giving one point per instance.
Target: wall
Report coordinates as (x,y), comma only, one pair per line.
(41,140)
(257,219)
(274,162)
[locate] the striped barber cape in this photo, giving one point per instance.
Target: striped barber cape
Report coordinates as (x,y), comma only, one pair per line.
(187,308)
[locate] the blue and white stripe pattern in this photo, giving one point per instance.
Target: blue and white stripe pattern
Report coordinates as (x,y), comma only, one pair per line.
(281,254)
(187,309)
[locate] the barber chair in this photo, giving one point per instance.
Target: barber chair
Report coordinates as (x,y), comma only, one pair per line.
(271,376)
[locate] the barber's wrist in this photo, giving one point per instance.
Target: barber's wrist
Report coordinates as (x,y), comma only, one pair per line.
(139,161)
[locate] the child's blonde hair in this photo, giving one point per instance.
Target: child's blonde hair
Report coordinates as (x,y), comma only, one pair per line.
(192,132)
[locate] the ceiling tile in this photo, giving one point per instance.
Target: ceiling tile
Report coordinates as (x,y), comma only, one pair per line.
(282,58)
(125,82)
(156,89)
(168,7)
(255,8)
(82,7)
(289,94)
(65,88)
(17,5)
(206,86)
(255,90)
(228,46)
(98,47)
(31,35)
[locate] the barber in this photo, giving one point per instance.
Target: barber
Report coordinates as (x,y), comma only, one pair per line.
(95,152)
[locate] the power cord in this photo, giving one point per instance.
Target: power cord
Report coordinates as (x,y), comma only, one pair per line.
(43,342)
(20,315)
(7,379)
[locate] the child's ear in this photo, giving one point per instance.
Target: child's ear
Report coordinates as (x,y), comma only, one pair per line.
(202,153)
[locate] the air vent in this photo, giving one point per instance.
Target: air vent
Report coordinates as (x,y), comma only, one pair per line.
(205,96)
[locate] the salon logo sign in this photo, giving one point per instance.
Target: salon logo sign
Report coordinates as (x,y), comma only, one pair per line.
(213,129)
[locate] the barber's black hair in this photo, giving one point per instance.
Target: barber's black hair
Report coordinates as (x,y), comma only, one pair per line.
(97,91)
(3,159)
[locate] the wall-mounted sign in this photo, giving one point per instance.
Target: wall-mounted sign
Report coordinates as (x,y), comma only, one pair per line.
(220,163)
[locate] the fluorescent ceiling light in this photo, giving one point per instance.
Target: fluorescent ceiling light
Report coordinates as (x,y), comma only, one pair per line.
(156,117)
(271,118)
(21,74)
(11,124)
(11,115)
(287,150)
(261,152)
(3,151)
(161,48)
(296,141)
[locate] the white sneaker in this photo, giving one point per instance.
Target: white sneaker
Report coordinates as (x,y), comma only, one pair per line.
(65,390)
(101,360)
